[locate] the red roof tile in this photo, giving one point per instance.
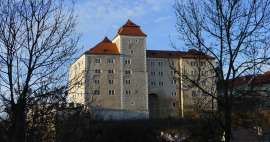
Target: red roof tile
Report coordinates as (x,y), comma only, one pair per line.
(259,79)
(104,47)
(177,54)
(130,29)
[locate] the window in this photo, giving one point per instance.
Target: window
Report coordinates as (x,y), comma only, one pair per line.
(160,83)
(130,41)
(153,83)
(160,63)
(128,72)
(173,94)
(97,71)
(110,71)
(110,61)
(127,61)
(192,73)
(152,63)
(191,63)
(96,81)
(96,92)
(153,73)
(131,51)
(193,93)
(110,81)
(111,92)
(160,73)
(173,104)
(174,81)
(98,60)
(127,81)
(128,92)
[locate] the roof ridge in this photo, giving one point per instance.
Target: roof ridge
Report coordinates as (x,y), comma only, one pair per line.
(130,29)
(106,39)
(129,23)
(106,46)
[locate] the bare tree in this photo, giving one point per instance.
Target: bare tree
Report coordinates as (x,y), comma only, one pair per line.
(37,41)
(236,34)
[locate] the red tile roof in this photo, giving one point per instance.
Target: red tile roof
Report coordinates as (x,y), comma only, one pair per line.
(259,79)
(177,54)
(104,47)
(130,29)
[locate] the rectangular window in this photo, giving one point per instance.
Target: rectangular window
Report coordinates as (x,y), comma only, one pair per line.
(194,93)
(110,61)
(96,81)
(98,60)
(127,81)
(153,83)
(172,72)
(128,72)
(96,92)
(153,73)
(110,81)
(110,71)
(152,63)
(128,61)
(160,83)
(111,92)
(97,71)
(160,73)
(131,51)
(173,104)
(173,93)
(174,81)
(160,63)
(128,92)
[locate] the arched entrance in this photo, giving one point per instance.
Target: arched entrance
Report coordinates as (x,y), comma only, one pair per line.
(153,106)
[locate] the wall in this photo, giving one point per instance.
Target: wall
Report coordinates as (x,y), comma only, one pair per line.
(104,99)
(77,81)
(164,84)
(134,94)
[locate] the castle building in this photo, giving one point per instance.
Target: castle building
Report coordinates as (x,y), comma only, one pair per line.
(121,79)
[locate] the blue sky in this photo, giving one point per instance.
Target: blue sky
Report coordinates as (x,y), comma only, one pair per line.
(99,18)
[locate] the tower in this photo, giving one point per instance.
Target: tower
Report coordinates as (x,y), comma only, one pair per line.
(131,42)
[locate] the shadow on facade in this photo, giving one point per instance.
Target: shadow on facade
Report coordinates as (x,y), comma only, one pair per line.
(153,106)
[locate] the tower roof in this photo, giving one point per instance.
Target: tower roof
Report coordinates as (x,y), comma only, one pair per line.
(104,47)
(130,29)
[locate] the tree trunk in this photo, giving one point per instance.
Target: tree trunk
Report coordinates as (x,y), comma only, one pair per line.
(18,129)
(228,118)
